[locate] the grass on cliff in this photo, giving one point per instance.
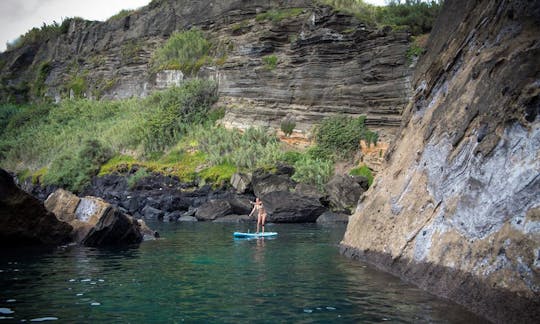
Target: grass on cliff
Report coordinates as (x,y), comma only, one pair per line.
(42,34)
(171,132)
(416,15)
(59,137)
(188,51)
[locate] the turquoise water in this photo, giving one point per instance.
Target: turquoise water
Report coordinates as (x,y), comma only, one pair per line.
(199,273)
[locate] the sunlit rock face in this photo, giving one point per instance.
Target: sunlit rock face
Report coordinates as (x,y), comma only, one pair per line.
(325,62)
(457,208)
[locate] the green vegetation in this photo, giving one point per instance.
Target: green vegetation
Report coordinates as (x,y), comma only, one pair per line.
(287,125)
(42,34)
(186,51)
(270,62)
(122,14)
(277,15)
(39,83)
(171,132)
(363,171)
(313,170)
(73,168)
(415,50)
(60,137)
(418,16)
(138,175)
(338,137)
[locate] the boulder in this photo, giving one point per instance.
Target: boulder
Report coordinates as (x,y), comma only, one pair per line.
(149,212)
(147,232)
(264,183)
(308,191)
(362,181)
(95,222)
(285,169)
(131,204)
(240,205)
(63,204)
(173,216)
(87,215)
(213,209)
(343,192)
(329,217)
(114,228)
(287,207)
(24,220)
(241,182)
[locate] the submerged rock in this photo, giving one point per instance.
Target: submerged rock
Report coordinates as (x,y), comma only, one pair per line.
(24,221)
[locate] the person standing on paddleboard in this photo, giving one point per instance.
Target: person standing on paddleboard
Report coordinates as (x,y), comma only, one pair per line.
(261,215)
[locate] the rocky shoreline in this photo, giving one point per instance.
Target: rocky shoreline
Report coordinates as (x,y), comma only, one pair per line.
(158,197)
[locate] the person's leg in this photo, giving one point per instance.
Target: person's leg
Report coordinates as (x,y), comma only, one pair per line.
(258,221)
(263,220)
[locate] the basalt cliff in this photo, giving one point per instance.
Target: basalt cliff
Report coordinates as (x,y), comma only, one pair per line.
(327,62)
(457,208)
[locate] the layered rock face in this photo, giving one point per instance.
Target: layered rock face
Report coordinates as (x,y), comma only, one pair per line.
(326,62)
(457,209)
(24,221)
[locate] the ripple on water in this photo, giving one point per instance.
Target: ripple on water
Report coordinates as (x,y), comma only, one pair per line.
(5,310)
(95,304)
(44,319)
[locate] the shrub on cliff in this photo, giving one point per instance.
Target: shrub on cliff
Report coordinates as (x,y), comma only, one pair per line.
(186,51)
(74,170)
(171,112)
(340,136)
(418,16)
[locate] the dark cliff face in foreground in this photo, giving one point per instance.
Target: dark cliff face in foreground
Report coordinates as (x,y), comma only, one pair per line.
(24,221)
(327,62)
(457,210)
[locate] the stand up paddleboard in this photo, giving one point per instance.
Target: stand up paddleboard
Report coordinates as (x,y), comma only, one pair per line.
(254,235)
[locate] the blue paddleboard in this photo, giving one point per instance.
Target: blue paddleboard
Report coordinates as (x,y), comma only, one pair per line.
(246,235)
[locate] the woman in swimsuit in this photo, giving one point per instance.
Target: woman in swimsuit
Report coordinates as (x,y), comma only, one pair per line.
(261,215)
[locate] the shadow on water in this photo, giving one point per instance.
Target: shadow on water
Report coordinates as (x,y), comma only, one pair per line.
(197,272)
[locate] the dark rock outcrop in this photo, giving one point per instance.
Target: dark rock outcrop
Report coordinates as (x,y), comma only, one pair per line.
(214,209)
(455,209)
(24,221)
(343,192)
(241,182)
(95,222)
(264,182)
(330,217)
(114,228)
(287,207)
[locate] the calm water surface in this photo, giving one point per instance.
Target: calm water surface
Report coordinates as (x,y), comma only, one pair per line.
(199,273)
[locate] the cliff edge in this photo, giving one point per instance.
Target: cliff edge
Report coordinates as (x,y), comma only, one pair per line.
(457,208)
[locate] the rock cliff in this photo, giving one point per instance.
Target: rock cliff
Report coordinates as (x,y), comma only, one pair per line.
(457,208)
(24,221)
(325,62)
